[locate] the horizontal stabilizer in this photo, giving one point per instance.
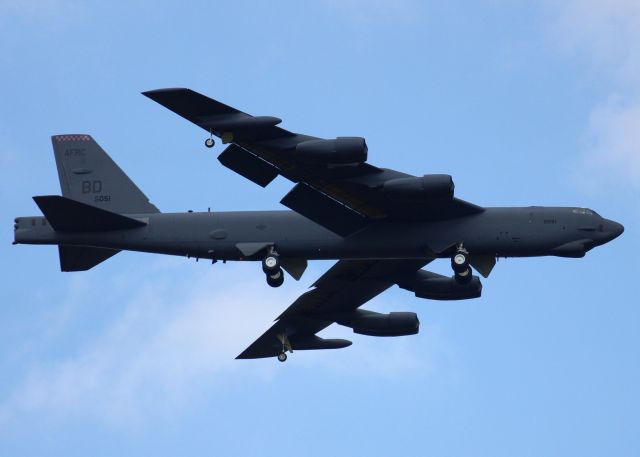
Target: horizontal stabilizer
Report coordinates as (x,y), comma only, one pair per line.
(323,210)
(80,258)
(66,215)
(248,165)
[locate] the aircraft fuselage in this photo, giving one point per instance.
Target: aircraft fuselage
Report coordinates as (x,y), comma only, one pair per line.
(501,232)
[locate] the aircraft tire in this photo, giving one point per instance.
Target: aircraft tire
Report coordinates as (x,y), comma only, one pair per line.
(270,264)
(460,262)
(209,142)
(282,357)
(275,279)
(464,277)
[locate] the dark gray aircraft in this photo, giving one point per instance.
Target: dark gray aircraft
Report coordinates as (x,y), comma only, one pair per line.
(384,226)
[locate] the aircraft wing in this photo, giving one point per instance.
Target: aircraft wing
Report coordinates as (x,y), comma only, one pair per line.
(340,291)
(343,197)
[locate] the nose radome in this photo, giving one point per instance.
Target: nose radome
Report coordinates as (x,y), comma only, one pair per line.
(614,228)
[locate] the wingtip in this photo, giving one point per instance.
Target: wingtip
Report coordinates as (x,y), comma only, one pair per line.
(150,93)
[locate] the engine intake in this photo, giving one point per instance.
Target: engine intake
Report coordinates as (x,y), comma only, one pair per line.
(416,188)
(433,286)
(379,324)
(345,149)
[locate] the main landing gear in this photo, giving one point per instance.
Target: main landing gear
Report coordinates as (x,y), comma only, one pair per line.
(460,265)
(271,268)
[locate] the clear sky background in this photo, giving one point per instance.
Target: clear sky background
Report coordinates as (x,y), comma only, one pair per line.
(522,102)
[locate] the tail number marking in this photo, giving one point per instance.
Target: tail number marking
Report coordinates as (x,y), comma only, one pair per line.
(95,187)
(91,187)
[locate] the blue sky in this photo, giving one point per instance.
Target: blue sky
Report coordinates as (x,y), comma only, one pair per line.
(535,103)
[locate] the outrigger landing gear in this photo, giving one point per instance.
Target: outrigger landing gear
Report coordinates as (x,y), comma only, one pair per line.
(286,346)
(210,142)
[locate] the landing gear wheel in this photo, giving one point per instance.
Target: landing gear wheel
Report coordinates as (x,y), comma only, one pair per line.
(464,277)
(275,279)
(282,357)
(209,142)
(460,261)
(271,263)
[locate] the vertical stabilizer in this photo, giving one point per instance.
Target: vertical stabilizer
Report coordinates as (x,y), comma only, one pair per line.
(88,175)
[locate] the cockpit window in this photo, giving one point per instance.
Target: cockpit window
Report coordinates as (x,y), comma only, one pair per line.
(582,211)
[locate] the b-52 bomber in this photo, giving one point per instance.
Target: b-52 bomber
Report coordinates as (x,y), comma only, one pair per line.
(383,226)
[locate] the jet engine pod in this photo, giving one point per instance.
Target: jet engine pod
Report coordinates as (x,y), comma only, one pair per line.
(417,188)
(342,150)
(379,324)
(448,289)
(426,284)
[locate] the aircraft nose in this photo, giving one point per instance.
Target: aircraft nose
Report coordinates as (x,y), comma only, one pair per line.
(613,228)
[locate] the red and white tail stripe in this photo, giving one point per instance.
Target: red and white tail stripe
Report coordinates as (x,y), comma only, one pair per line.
(72,137)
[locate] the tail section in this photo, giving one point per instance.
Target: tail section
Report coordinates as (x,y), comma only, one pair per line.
(67,215)
(88,175)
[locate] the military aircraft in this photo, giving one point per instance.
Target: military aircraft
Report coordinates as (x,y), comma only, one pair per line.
(382,225)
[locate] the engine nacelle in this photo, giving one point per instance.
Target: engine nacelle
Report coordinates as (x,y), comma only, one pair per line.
(346,149)
(433,286)
(448,289)
(417,188)
(379,324)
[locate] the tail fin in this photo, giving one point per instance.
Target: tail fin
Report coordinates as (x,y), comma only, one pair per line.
(88,175)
